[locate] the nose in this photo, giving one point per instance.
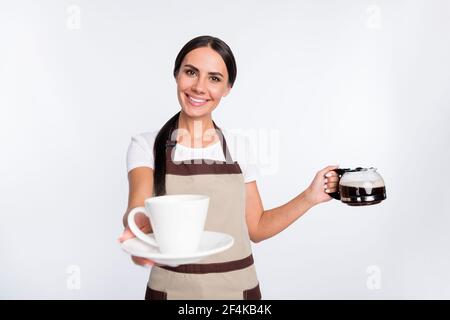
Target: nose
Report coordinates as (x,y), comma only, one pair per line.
(199,86)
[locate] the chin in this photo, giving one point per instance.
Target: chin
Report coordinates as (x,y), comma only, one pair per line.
(195,113)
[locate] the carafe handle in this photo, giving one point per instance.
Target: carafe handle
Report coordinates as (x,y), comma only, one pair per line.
(337,195)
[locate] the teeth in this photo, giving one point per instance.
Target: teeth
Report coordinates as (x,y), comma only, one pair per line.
(197,100)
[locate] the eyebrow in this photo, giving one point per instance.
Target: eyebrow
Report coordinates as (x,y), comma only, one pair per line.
(210,73)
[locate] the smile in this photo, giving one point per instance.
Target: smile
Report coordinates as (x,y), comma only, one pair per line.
(196,102)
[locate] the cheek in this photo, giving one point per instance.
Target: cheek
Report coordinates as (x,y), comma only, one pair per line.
(216,92)
(184,83)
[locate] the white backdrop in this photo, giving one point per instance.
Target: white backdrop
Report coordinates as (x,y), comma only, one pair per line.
(354,83)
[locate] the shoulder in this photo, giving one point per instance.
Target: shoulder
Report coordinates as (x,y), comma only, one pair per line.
(242,150)
(140,150)
(145,140)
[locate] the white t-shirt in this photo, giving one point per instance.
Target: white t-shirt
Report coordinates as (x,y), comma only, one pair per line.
(140,152)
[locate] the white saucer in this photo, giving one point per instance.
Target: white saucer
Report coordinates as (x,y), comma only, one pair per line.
(210,243)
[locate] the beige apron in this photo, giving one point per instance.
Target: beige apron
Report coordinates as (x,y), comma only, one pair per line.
(226,275)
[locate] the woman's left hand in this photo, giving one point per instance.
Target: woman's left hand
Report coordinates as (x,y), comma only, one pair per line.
(318,190)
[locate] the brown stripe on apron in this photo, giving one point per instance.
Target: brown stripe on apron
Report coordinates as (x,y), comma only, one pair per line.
(227,275)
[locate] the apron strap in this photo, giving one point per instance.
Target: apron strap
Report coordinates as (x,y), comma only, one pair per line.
(223,141)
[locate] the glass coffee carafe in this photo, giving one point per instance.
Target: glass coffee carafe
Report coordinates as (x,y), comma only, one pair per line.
(360,186)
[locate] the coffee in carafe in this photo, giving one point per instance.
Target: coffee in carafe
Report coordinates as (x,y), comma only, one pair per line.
(360,195)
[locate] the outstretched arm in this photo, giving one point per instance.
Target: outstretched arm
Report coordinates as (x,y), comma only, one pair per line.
(263,224)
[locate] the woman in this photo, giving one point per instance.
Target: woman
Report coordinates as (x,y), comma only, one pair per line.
(205,71)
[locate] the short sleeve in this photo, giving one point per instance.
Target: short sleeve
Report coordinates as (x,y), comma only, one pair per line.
(140,151)
(243,151)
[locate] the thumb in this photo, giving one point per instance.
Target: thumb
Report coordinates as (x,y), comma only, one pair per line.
(328,168)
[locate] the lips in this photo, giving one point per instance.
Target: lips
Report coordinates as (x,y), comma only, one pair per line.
(196,102)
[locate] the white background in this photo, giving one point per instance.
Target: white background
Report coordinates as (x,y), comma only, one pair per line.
(354,83)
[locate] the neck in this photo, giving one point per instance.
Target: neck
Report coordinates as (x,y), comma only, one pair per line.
(195,132)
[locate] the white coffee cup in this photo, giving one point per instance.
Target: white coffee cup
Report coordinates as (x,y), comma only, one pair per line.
(178,222)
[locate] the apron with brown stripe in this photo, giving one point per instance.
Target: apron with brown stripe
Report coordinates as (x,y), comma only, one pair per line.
(227,275)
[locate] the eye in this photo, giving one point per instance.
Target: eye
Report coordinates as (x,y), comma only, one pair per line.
(215,79)
(190,72)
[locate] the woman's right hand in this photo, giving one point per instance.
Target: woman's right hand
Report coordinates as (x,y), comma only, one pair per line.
(144,224)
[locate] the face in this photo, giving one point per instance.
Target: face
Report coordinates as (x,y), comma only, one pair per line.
(202,81)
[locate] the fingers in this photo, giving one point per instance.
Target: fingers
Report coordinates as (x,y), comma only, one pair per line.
(142,261)
(330,187)
(331,179)
(331,183)
(127,234)
(142,222)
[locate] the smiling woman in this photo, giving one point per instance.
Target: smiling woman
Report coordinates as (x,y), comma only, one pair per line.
(205,71)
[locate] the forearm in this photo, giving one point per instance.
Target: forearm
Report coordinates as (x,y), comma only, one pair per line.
(275,220)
